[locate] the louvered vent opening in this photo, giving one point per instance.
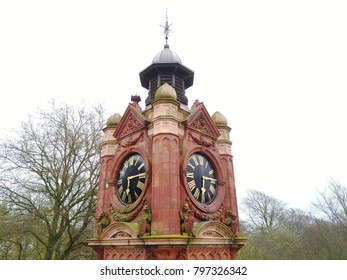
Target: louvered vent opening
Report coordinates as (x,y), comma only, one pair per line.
(166,79)
(153,83)
(179,85)
(170,79)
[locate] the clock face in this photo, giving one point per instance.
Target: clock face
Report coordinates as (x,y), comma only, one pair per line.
(201,178)
(131,179)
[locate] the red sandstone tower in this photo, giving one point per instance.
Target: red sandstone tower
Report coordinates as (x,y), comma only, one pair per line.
(166,188)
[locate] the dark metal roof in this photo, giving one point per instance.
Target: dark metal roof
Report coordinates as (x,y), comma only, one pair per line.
(166,56)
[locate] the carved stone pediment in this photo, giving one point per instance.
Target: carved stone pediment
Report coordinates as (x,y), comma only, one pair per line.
(120,230)
(131,122)
(212,229)
(200,120)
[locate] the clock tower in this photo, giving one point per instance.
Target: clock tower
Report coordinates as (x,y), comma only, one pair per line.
(166,188)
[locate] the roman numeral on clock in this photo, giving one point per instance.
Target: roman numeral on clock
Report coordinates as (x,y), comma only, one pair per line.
(141,165)
(212,189)
(201,160)
(191,185)
(195,160)
(196,193)
(124,196)
(192,166)
(140,185)
(120,190)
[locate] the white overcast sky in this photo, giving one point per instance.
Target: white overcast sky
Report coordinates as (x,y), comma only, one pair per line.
(276,69)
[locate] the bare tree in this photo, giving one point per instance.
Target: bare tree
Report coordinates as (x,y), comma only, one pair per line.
(264,212)
(332,203)
(297,220)
(278,232)
(49,174)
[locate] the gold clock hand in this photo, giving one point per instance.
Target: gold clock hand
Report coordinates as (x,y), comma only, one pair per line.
(128,187)
(130,178)
(137,175)
(203,185)
(208,178)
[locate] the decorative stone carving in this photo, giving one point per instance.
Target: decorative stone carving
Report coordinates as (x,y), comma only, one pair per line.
(132,124)
(150,255)
(124,254)
(166,253)
(203,216)
(122,217)
(145,222)
(182,254)
(212,229)
(201,121)
(229,218)
(201,124)
(202,142)
(121,234)
(132,142)
(188,212)
(211,234)
(120,230)
(102,222)
(186,220)
(209,254)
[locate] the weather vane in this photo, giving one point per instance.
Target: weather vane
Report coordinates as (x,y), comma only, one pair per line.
(166,29)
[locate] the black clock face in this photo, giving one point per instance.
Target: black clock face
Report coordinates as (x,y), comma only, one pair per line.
(201,178)
(131,179)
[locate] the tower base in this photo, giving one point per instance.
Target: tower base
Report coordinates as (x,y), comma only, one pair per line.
(167,248)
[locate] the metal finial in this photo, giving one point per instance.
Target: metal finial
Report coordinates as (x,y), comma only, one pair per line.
(166,30)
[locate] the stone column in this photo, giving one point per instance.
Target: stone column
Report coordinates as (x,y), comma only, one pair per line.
(165,163)
(224,149)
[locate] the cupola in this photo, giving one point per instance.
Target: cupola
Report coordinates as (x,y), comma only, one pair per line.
(167,68)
